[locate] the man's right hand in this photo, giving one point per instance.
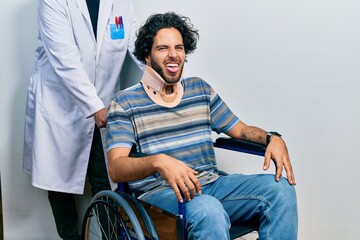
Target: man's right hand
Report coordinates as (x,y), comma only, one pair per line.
(179,176)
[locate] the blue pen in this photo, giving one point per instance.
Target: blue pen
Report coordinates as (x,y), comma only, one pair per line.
(121,22)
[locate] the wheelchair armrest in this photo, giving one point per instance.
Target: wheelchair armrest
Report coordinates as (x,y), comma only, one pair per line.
(240,145)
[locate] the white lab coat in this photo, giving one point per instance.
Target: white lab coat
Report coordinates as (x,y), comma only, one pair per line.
(75,76)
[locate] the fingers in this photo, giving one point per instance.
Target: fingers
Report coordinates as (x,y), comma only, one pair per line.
(282,161)
(101,124)
(177,192)
(290,173)
(186,188)
(285,164)
(179,176)
(267,161)
(182,191)
(190,187)
(193,186)
(279,169)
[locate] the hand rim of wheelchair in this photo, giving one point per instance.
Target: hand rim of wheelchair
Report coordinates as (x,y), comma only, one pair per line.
(108,199)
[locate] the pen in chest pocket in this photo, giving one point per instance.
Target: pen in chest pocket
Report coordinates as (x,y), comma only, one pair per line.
(117,30)
(119,22)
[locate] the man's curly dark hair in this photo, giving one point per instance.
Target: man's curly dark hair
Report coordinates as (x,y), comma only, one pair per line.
(156,22)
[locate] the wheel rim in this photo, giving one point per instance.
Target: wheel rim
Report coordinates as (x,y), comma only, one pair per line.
(103,221)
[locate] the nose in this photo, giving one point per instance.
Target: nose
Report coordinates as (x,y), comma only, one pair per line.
(172,52)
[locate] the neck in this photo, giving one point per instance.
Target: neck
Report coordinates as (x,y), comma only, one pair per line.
(168,89)
(160,92)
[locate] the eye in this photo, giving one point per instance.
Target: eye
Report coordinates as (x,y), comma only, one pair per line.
(162,48)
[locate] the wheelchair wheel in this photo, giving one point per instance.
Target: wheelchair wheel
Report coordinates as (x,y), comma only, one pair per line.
(110,217)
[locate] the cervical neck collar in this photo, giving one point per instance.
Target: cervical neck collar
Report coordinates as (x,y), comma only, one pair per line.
(160,92)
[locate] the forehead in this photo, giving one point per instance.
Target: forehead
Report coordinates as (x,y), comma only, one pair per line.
(168,36)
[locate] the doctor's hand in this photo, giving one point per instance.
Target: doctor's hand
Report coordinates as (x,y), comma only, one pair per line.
(277,151)
(101,118)
(179,176)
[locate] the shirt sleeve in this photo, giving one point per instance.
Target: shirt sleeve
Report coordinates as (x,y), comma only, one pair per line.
(119,130)
(222,118)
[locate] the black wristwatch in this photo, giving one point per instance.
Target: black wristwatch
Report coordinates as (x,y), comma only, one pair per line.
(269,134)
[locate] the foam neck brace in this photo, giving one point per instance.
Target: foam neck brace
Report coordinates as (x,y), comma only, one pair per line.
(163,94)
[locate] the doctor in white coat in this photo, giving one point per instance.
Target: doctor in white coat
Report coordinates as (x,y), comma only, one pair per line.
(82,45)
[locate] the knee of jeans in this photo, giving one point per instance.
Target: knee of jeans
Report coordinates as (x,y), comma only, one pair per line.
(284,192)
(206,210)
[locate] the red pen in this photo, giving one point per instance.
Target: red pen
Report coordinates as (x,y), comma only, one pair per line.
(117,21)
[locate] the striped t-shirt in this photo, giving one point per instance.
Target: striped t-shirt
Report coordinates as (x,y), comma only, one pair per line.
(183,132)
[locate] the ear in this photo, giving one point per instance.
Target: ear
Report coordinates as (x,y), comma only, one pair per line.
(147,59)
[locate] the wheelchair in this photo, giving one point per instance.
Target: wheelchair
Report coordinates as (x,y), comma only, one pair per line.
(119,215)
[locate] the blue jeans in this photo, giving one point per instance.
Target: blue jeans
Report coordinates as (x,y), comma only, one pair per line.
(237,198)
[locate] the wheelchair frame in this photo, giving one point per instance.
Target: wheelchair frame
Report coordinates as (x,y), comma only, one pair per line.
(118,215)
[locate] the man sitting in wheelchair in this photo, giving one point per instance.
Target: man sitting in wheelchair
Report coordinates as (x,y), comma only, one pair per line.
(170,120)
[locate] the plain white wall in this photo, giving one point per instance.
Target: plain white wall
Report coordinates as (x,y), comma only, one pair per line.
(285,65)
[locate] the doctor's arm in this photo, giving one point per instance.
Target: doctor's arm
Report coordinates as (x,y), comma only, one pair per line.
(276,149)
(57,36)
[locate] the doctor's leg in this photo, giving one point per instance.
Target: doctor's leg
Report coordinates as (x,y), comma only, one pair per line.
(97,171)
(64,210)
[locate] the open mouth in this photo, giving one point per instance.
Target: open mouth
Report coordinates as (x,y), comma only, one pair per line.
(172,67)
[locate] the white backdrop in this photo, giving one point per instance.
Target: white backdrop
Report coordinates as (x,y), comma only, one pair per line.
(285,65)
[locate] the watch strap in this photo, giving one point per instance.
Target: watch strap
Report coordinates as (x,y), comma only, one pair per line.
(269,134)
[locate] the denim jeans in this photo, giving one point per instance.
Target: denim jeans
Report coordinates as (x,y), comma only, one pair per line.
(237,198)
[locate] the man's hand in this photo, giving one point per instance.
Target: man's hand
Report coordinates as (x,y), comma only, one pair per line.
(277,151)
(101,118)
(179,176)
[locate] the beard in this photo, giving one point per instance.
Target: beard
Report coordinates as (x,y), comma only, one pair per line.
(160,71)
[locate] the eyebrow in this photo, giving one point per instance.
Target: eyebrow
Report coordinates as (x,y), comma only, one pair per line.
(166,46)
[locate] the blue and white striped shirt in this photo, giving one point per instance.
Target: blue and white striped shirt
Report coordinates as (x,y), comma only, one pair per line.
(183,132)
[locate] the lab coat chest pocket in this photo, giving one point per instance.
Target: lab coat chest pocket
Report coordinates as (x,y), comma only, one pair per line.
(115,38)
(57,105)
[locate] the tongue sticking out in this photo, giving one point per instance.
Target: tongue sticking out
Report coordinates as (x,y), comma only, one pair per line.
(172,68)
